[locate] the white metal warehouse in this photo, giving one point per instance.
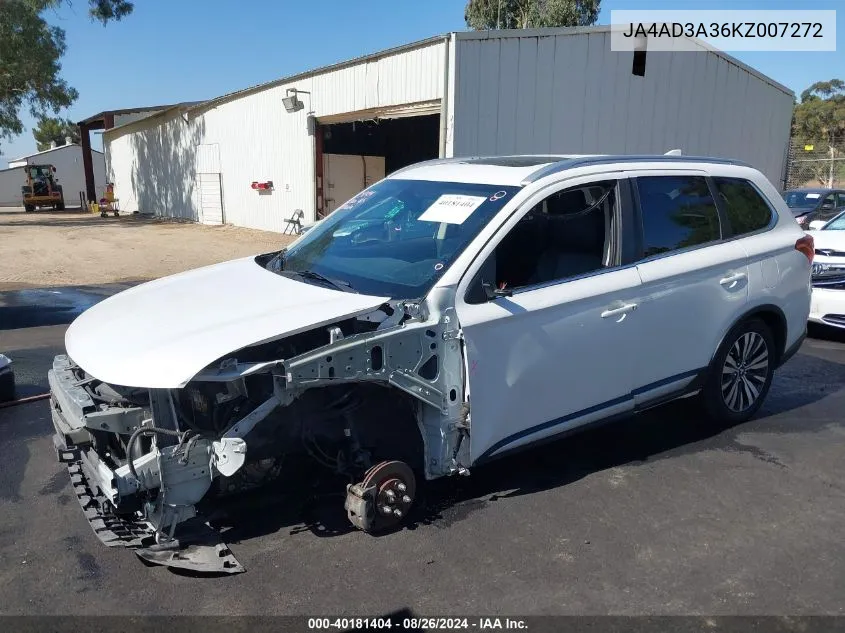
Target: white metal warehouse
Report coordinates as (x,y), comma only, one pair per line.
(469,93)
(67,159)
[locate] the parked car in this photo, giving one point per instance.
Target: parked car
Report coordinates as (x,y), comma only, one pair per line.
(814,205)
(522,299)
(828,305)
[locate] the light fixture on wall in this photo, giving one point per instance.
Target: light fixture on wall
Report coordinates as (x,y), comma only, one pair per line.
(291,101)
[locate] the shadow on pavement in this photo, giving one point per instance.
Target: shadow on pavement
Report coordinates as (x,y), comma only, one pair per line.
(34,307)
(826,332)
(668,431)
(82,220)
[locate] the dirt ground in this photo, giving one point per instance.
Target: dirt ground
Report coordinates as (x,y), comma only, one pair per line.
(74,247)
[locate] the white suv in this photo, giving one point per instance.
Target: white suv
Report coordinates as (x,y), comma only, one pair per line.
(453,312)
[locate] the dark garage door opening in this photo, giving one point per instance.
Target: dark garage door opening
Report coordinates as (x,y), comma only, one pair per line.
(356,154)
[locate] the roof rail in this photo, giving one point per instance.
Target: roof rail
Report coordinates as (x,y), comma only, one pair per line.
(430,163)
(644,158)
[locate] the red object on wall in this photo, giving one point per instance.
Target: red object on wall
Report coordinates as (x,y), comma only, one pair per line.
(262,186)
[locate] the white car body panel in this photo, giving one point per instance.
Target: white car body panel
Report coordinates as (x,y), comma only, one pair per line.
(832,239)
(160,334)
(533,361)
(710,283)
(828,301)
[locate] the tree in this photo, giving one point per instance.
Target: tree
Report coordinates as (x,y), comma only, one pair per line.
(819,120)
(524,14)
(820,116)
(30,50)
(50,130)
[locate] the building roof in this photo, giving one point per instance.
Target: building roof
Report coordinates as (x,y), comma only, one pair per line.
(100,115)
(462,35)
(465,35)
(51,149)
(317,71)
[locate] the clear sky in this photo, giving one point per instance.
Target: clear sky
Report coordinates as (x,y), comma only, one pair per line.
(186,50)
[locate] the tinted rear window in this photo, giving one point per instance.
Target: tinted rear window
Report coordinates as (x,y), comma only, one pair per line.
(678,212)
(745,208)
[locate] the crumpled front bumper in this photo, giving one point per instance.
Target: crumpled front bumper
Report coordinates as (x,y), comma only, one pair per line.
(95,484)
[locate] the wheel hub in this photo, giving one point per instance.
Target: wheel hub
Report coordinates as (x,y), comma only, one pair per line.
(393,487)
(745,371)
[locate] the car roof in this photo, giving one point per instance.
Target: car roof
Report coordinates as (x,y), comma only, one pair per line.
(810,190)
(520,170)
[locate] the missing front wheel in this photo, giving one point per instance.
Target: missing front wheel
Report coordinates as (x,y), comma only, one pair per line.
(383,499)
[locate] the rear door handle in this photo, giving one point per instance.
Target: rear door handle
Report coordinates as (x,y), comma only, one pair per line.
(731,280)
(625,309)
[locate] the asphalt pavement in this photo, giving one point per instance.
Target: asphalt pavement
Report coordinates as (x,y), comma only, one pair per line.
(660,514)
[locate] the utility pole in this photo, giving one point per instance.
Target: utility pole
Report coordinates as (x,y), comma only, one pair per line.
(830,172)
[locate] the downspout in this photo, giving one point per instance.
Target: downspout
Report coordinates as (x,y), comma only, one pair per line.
(444,101)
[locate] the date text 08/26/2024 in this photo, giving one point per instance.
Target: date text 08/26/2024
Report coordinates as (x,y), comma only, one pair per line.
(417,623)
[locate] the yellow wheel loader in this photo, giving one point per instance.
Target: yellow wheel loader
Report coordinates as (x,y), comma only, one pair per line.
(42,189)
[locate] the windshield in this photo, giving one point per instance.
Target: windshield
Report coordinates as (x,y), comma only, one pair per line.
(836,224)
(802,200)
(396,238)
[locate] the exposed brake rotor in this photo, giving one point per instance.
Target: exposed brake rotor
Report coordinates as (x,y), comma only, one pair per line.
(395,489)
(384,497)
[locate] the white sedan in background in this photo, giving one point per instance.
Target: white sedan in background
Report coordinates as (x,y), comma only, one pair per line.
(828,304)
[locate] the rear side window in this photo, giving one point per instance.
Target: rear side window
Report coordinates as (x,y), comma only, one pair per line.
(678,212)
(745,208)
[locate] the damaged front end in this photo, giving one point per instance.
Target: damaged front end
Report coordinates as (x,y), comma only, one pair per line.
(377,398)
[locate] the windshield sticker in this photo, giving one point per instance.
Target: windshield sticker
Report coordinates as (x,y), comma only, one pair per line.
(452,208)
(813,196)
(498,196)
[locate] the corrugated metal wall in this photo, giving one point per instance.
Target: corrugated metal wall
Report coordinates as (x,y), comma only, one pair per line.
(572,94)
(153,162)
(11,181)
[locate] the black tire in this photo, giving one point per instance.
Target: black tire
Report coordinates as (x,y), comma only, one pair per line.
(738,371)
(60,206)
(29,208)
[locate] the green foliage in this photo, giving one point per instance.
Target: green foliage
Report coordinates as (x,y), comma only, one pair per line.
(524,14)
(820,117)
(54,130)
(107,10)
(30,50)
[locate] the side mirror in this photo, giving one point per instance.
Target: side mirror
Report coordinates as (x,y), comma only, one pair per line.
(494,293)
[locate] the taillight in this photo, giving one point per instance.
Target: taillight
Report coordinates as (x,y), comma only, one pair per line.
(806,245)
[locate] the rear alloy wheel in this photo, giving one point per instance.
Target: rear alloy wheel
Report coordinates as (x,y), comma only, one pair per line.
(741,373)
